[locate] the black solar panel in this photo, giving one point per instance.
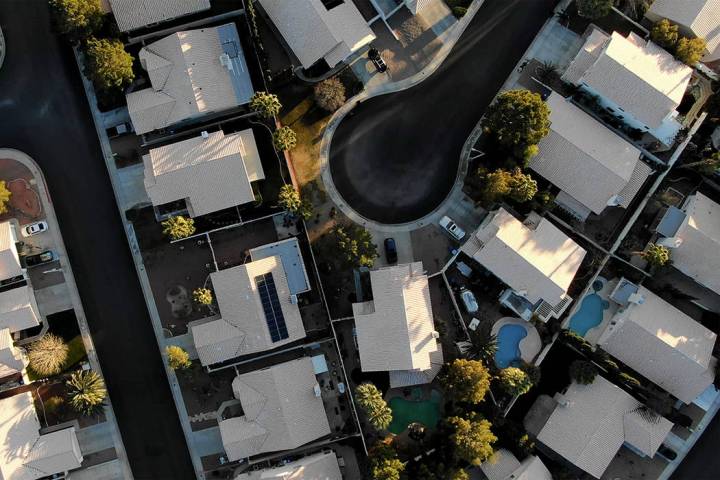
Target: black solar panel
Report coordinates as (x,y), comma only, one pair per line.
(271,306)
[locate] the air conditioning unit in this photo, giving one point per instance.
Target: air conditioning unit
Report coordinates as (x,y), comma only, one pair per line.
(205,134)
(435,334)
(293,299)
(317,390)
(225,61)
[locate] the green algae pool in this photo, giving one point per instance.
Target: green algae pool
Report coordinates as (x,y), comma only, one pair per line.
(406,412)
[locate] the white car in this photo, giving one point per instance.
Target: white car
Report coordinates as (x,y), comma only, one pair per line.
(452,228)
(468,299)
(33,229)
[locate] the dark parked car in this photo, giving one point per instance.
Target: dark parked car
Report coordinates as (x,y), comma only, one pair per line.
(377,60)
(666,452)
(39,259)
(390,250)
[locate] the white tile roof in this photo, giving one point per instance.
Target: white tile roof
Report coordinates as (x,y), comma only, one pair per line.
(243,329)
(587,160)
(9,261)
(210,173)
(662,344)
(313,32)
(27,455)
(320,466)
(701,17)
(700,235)
(639,76)
(538,262)
(591,423)
(11,361)
(395,331)
(187,79)
(280,411)
(408,378)
(505,466)
(133,14)
(18,309)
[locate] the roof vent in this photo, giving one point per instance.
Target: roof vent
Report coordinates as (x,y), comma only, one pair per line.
(225,61)
(205,134)
(293,299)
(435,334)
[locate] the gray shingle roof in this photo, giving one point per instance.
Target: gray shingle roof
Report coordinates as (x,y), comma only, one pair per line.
(281,411)
(9,262)
(11,361)
(134,14)
(18,310)
(320,466)
(701,17)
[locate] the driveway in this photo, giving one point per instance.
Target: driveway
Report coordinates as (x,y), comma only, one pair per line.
(43,112)
(396,157)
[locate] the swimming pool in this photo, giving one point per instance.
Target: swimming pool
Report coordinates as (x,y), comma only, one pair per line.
(508,344)
(405,412)
(589,315)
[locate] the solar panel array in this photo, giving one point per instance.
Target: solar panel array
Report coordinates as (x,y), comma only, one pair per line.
(271,306)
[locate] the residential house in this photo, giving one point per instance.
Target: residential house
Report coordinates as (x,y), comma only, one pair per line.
(692,233)
(534,258)
(590,423)
(282,409)
(637,81)
(12,361)
(695,18)
(210,172)
(320,466)
(315,30)
(593,166)
(9,260)
(258,311)
(18,309)
(26,453)
(505,466)
(134,14)
(192,73)
(661,343)
(395,330)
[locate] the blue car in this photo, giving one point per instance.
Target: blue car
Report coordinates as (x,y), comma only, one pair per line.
(390,250)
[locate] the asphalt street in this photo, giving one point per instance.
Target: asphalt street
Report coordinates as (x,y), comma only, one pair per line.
(396,158)
(44,113)
(703,461)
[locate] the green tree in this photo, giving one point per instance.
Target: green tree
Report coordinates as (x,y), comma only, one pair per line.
(355,245)
(594,9)
(496,185)
(518,118)
(514,381)
(370,399)
(202,296)
(467,380)
(472,438)
(107,64)
(284,138)
(690,50)
(384,463)
(522,187)
(48,355)
(86,392)
(5,195)
(266,104)
(706,166)
(178,227)
(178,359)
(582,371)
(77,18)
(458,474)
(54,404)
(665,34)
(656,255)
(330,94)
(290,200)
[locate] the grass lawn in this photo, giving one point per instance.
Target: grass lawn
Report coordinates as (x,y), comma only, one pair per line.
(76,353)
(406,412)
(309,123)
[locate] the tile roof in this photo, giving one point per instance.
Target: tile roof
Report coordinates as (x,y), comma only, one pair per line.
(134,14)
(281,411)
(314,32)
(9,261)
(662,344)
(189,78)
(639,76)
(210,173)
(243,329)
(505,466)
(320,466)
(587,160)
(538,262)
(395,330)
(11,361)
(700,234)
(591,423)
(27,455)
(291,256)
(701,17)
(18,309)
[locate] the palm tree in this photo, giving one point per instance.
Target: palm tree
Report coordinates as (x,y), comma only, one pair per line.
(86,392)
(48,355)
(483,343)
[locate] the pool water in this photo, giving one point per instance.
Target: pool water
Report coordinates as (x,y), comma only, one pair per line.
(405,412)
(508,344)
(589,315)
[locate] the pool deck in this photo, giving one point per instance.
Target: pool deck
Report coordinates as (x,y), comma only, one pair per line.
(594,334)
(529,346)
